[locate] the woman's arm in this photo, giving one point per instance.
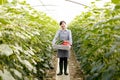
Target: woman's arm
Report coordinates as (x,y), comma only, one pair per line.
(55,38)
(70,37)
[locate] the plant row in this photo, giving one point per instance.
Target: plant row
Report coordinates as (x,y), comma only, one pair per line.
(25,42)
(97,44)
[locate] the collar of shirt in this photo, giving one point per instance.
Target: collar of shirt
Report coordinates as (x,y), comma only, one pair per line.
(64,30)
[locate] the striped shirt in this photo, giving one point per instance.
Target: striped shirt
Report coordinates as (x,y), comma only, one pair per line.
(63,35)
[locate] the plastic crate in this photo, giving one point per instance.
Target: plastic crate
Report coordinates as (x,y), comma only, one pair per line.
(62,47)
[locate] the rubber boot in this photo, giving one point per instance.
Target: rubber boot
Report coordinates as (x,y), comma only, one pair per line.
(65,68)
(60,68)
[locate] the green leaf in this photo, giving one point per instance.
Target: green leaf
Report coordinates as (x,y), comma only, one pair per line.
(6,75)
(17,73)
(3,1)
(108,74)
(46,65)
(117,6)
(4,21)
(5,50)
(115,1)
(111,51)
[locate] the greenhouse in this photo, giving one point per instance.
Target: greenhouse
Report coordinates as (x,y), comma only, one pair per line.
(34,32)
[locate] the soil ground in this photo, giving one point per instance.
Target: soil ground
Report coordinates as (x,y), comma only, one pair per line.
(74,68)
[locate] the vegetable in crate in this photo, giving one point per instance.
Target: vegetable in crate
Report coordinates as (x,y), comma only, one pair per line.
(59,42)
(66,43)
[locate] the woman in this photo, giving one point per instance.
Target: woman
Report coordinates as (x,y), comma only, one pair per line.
(64,35)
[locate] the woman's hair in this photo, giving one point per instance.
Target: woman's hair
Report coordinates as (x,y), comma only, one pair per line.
(62,22)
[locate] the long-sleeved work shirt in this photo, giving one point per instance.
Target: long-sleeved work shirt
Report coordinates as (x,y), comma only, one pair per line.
(63,35)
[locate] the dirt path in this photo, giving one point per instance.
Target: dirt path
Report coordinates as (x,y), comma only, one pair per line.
(62,77)
(74,70)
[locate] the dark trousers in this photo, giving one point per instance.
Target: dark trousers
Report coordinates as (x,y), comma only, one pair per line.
(63,61)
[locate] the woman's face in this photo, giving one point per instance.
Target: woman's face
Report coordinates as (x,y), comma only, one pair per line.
(63,25)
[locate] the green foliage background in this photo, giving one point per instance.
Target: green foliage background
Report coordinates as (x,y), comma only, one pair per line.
(25,42)
(97,44)
(26,35)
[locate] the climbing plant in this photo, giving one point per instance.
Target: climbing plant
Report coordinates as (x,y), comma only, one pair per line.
(25,42)
(3,2)
(96,36)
